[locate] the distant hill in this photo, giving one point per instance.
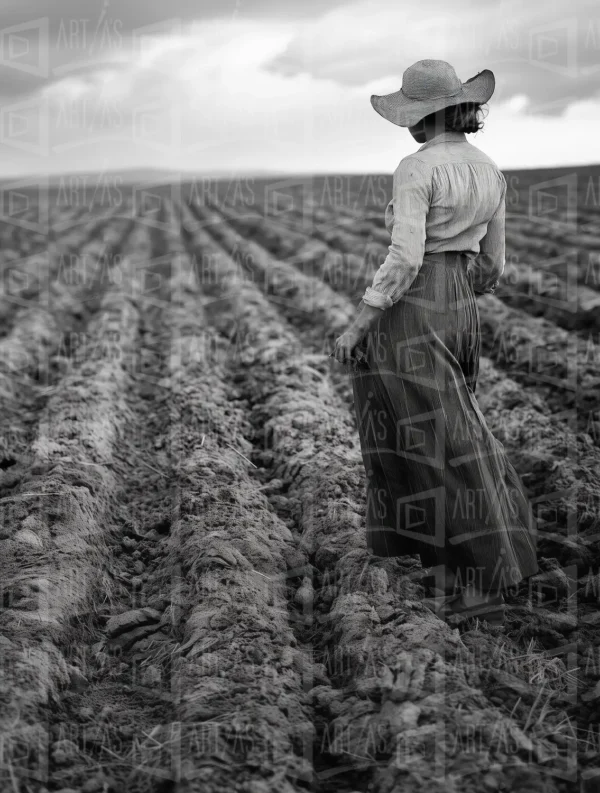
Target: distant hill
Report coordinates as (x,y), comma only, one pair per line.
(138,176)
(163,176)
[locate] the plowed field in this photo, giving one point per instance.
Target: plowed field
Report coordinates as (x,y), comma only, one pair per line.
(188,600)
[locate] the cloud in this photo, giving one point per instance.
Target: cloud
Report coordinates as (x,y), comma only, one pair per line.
(40,41)
(517,103)
(550,54)
(206,97)
(181,97)
(128,15)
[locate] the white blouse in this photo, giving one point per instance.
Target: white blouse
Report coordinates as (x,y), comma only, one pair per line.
(447,196)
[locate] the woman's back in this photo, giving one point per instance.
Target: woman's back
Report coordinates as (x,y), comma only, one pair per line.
(447,196)
(467,189)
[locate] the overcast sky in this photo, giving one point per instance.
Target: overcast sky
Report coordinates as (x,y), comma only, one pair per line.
(267,84)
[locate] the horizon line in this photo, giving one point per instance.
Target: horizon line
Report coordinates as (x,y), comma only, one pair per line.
(250,172)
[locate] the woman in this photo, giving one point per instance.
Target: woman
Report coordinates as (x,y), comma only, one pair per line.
(439,483)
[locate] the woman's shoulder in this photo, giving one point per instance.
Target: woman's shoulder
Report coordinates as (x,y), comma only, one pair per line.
(413,165)
(473,156)
(479,155)
(486,160)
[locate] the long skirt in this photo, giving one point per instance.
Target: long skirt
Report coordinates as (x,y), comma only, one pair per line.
(438,483)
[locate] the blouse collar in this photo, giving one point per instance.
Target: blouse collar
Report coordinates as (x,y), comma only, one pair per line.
(445,136)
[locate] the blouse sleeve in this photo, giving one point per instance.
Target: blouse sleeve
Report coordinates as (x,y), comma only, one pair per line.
(411,199)
(489,263)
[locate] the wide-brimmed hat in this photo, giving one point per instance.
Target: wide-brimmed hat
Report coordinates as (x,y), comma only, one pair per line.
(429,86)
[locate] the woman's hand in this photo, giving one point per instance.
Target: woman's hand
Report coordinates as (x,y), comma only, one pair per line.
(346,343)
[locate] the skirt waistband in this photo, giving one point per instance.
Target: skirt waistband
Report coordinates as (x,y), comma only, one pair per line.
(450,258)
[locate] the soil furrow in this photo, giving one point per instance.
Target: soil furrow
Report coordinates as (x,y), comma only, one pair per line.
(345,268)
(189,605)
(28,264)
(44,342)
(400,683)
(112,719)
(240,675)
(311,306)
(55,535)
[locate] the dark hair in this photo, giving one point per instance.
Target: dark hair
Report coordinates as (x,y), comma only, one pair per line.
(463,117)
(457,118)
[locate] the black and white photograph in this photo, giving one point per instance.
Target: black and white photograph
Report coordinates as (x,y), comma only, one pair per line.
(299,396)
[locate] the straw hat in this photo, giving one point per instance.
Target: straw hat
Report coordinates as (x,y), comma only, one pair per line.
(429,86)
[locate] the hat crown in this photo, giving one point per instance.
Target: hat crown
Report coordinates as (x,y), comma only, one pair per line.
(430,79)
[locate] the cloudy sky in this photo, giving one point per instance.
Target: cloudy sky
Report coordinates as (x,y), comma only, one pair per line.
(232,85)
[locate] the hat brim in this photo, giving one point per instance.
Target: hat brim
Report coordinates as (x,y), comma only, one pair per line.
(406,112)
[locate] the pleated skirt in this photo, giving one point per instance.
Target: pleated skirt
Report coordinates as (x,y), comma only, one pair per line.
(439,484)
